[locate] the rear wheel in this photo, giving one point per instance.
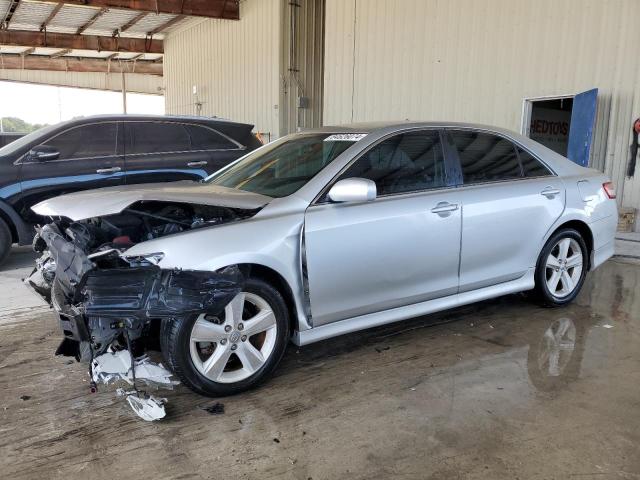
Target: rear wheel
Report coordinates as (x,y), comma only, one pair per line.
(5,241)
(561,268)
(234,351)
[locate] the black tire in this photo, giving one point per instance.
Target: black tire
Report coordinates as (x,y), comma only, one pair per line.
(6,241)
(541,291)
(175,338)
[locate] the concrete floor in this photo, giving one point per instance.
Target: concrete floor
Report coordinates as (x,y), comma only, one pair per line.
(484,391)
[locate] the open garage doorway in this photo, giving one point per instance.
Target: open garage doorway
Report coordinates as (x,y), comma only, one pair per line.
(564,123)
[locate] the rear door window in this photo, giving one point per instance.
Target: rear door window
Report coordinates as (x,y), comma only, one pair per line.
(408,162)
(485,157)
(157,137)
(86,141)
(203,138)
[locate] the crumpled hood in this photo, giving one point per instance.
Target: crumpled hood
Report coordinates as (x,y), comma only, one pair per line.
(112,200)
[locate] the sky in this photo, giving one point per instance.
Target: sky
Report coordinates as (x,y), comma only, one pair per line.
(48,104)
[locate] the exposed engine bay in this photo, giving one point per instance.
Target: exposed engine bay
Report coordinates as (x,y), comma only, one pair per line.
(108,302)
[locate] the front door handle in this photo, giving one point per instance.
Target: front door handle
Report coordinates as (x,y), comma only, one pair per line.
(444,207)
(550,192)
(104,171)
(197,164)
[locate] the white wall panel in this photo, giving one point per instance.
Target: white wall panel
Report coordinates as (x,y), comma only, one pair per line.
(476,61)
(235,66)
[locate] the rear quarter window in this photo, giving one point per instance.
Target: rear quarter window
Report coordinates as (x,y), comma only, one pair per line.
(531,166)
(203,138)
(485,157)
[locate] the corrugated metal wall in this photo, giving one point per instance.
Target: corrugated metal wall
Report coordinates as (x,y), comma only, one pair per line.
(476,61)
(302,54)
(235,66)
(136,83)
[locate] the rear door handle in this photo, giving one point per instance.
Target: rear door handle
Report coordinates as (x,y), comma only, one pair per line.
(104,171)
(444,207)
(197,164)
(550,192)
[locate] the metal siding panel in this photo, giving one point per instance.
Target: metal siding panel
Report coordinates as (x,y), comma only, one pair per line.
(136,83)
(234,64)
(477,61)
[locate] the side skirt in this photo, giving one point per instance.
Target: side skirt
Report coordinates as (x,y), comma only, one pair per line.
(316,334)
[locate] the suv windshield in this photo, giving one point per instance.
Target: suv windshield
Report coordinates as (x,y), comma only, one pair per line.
(281,170)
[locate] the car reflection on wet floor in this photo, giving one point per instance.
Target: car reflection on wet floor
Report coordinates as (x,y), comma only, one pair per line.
(498,389)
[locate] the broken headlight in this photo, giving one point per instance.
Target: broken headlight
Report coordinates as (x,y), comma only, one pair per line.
(153,258)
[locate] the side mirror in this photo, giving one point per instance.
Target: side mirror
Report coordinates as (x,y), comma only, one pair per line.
(42,153)
(353,190)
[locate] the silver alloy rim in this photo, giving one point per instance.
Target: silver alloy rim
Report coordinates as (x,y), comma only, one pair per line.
(235,347)
(558,343)
(564,267)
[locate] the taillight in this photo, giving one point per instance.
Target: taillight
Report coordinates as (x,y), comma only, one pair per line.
(609,189)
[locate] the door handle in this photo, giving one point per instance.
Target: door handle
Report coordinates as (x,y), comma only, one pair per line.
(444,207)
(197,164)
(550,192)
(103,171)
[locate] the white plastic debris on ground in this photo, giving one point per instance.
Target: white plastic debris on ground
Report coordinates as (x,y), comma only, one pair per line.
(146,406)
(116,365)
(113,366)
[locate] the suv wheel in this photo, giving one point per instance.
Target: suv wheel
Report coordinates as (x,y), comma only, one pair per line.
(5,241)
(561,268)
(234,351)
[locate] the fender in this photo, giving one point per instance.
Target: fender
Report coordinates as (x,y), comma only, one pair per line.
(24,230)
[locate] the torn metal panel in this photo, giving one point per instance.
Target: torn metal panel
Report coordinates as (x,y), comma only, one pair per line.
(146,406)
(116,365)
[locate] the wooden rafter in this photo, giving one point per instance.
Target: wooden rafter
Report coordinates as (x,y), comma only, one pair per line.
(54,12)
(227,9)
(20,38)
(70,64)
(92,20)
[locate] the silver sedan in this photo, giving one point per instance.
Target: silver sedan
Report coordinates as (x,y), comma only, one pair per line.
(322,233)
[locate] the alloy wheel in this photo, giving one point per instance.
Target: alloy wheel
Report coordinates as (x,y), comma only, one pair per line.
(234,345)
(563,267)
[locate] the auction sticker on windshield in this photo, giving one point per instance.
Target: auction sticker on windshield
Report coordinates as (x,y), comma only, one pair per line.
(345,137)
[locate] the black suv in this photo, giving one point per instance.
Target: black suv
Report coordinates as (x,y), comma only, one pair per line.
(103,151)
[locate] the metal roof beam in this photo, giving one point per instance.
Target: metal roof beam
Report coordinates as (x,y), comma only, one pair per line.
(130,23)
(60,53)
(11,9)
(166,25)
(23,38)
(227,9)
(70,64)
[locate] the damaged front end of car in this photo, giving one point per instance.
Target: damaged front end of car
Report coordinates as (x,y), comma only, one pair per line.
(107,301)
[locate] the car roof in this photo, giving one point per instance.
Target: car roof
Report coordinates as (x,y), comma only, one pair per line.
(378,130)
(140,117)
(399,125)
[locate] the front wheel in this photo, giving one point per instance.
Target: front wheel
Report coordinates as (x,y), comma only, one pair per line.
(561,268)
(233,351)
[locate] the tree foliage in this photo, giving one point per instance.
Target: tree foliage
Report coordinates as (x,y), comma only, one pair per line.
(13,124)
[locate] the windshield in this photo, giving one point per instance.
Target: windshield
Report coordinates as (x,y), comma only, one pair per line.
(283,169)
(26,140)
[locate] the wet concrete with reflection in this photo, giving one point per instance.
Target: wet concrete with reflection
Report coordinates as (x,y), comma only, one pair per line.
(501,389)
